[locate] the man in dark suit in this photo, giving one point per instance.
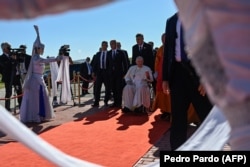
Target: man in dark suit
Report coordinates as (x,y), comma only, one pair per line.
(100,66)
(118,46)
(144,50)
(85,72)
(118,68)
(182,82)
(10,74)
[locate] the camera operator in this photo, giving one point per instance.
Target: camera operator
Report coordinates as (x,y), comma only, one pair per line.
(64,76)
(10,74)
(64,51)
(24,61)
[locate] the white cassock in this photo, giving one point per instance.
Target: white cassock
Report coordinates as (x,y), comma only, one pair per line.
(137,93)
(63,76)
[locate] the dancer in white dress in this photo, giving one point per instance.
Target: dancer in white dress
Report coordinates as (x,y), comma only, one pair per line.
(36,106)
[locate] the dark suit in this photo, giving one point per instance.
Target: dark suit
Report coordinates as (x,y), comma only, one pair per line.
(126,56)
(27,59)
(118,68)
(10,78)
(146,53)
(102,76)
(84,72)
(183,82)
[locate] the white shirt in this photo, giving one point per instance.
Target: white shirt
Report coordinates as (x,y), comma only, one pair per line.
(89,68)
(140,47)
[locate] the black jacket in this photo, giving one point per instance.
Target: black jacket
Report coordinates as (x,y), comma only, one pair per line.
(118,62)
(169,53)
(146,53)
(8,68)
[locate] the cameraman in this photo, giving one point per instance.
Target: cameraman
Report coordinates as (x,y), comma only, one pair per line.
(24,61)
(63,76)
(64,51)
(10,74)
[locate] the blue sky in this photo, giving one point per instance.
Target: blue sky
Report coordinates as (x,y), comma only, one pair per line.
(84,30)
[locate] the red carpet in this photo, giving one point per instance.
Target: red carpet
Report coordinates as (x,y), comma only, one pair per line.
(107,138)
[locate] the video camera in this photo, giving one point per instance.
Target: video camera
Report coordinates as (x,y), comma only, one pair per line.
(19,53)
(64,50)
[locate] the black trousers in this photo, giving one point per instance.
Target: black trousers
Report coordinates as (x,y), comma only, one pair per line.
(102,78)
(16,82)
(116,82)
(183,91)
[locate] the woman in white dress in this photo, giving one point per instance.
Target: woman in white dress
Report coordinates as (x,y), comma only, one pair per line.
(36,106)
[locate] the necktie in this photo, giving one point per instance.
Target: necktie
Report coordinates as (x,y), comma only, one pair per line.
(140,48)
(113,54)
(183,52)
(103,60)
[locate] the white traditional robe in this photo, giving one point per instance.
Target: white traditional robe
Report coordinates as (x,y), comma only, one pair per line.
(54,74)
(63,76)
(137,93)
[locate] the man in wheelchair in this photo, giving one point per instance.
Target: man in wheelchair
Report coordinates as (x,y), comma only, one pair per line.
(136,93)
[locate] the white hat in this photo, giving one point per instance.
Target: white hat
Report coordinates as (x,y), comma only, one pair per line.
(38,43)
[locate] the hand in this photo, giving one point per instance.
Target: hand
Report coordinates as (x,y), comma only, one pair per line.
(37,30)
(93,76)
(165,87)
(36,27)
(202,90)
(156,75)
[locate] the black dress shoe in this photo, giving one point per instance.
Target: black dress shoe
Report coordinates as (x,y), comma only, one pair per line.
(95,105)
(126,110)
(139,110)
(165,116)
(113,105)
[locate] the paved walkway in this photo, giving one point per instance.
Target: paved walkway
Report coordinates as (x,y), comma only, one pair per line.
(75,110)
